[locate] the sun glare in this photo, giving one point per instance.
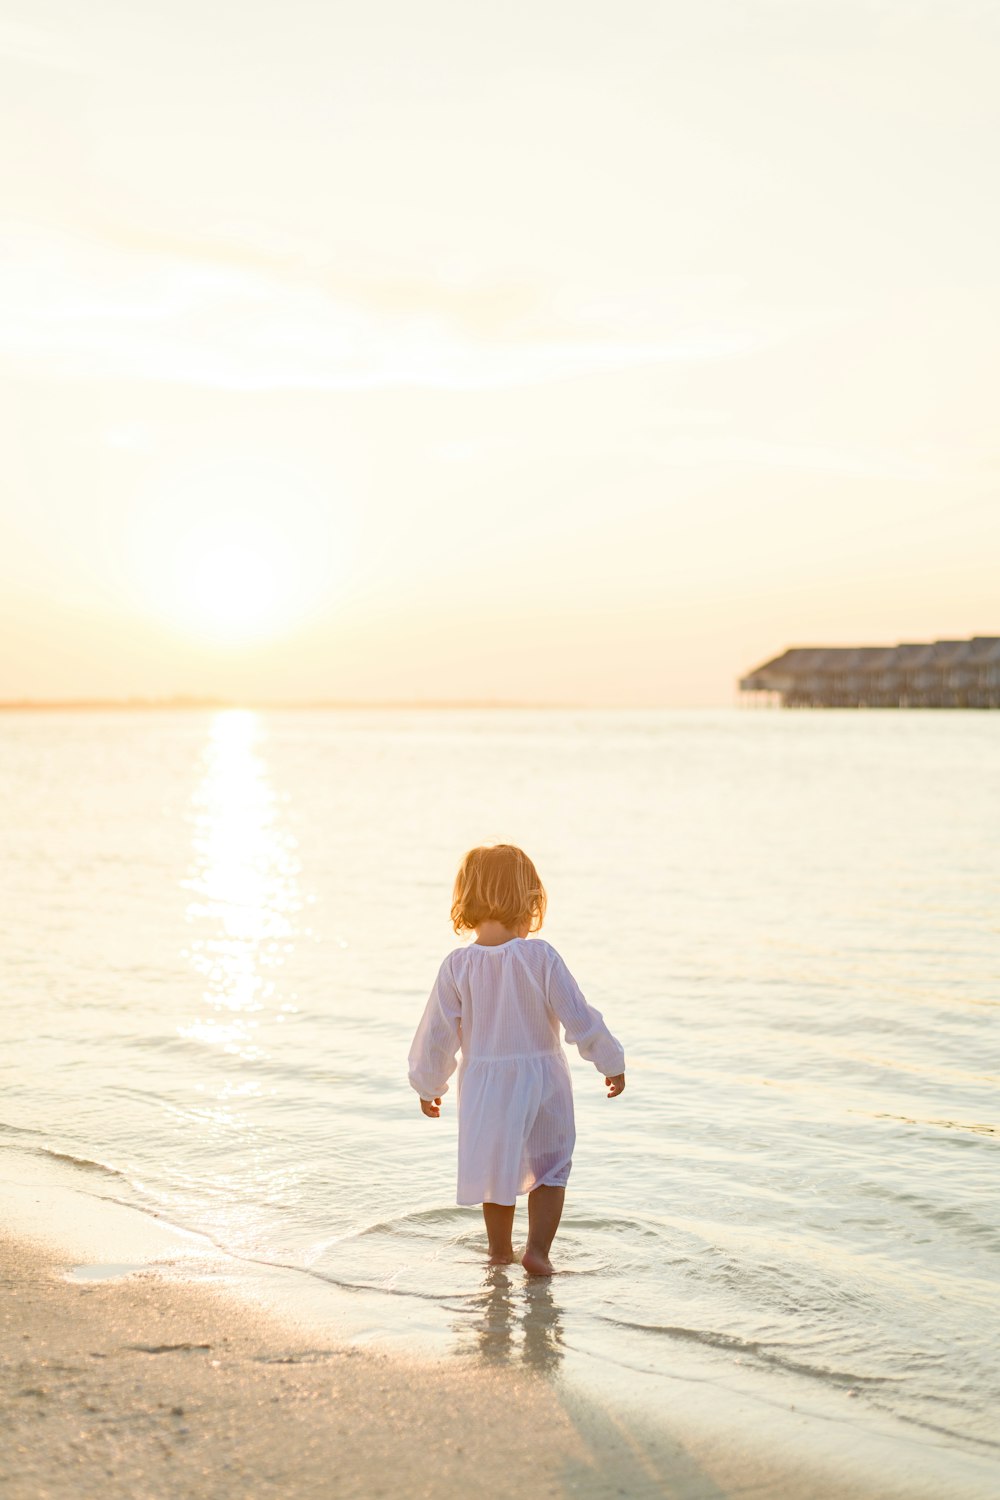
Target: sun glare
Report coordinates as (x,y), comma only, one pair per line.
(228,582)
(244,890)
(233,591)
(233,558)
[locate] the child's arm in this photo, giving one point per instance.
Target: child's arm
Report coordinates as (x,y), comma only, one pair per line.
(584,1026)
(434,1054)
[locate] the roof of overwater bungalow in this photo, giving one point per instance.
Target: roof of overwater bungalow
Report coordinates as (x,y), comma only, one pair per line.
(911,654)
(984,650)
(949,653)
(869,658)
(797,661)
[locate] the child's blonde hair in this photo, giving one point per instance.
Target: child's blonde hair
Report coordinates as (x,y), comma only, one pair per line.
(497,882)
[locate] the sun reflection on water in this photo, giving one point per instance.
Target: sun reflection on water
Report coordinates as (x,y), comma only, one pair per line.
(244,887)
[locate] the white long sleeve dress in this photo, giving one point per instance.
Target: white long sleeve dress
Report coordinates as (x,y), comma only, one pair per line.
(502,1007)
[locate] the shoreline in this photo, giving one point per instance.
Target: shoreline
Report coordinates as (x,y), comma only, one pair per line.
(138,1386)
(153,1372)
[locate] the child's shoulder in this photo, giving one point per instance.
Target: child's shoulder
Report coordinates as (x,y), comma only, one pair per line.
(534,949)
(538,946)
(539,954)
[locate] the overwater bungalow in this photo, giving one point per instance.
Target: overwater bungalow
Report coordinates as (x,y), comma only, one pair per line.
(940,674)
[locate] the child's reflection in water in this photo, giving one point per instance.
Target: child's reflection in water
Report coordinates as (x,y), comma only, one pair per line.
(515,1319)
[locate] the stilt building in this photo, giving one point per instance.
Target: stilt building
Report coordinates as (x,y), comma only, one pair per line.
(943,674)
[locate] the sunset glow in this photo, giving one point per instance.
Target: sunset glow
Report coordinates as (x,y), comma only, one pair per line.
(596,361)
(225,587)
(227,555)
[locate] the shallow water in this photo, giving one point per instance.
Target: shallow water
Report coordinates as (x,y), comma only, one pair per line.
(221,928)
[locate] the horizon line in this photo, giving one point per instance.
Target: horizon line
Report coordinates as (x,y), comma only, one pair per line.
(192,702)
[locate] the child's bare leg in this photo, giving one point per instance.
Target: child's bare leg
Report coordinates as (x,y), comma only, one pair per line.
(499,1224)
(545,1206)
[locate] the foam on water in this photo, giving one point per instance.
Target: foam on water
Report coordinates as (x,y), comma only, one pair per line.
(221,929)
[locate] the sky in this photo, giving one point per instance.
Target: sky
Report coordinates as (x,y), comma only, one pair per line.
(584,352)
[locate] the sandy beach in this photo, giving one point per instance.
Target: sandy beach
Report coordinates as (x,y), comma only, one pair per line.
(142,1386)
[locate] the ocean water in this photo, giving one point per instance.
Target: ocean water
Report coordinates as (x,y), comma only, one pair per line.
(220,929)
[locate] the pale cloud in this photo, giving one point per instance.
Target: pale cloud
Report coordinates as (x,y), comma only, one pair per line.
(88,308)
(709,442)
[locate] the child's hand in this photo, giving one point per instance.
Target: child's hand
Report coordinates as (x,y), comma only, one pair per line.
(432,1108)
(615,1085)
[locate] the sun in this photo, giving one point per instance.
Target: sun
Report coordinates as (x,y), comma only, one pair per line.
(234,557)
(227,581)
(234,587)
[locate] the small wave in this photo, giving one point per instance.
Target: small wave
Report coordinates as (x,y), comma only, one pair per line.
(419,1216)
(953,1217)
(622,1224)
(274,1263)
(84,1163)
(984,1443)
(755,1349)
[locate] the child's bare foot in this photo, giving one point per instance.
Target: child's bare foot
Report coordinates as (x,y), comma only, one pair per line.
(501,1258)
(537,1264)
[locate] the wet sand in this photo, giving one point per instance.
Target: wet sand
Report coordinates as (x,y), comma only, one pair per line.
(146,1387)
(143,1387)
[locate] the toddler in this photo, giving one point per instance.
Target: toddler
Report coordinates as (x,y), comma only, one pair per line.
(500,1001)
